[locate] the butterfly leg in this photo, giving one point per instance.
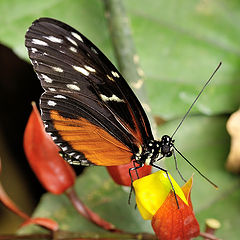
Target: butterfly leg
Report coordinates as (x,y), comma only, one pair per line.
(130,174)
(175,159)
(135,168)
(169,181)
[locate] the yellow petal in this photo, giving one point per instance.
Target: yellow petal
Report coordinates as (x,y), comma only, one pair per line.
(152,190)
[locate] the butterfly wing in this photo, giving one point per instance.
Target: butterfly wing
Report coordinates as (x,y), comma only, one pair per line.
(87,107)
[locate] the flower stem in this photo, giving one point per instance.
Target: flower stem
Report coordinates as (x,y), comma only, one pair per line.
(89,214)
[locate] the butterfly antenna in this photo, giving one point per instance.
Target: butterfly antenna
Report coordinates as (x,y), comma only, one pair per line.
(179,125)
(195,168)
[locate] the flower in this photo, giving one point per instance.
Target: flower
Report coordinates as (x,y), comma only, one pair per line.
(156,201)
(54,173)
(152,190)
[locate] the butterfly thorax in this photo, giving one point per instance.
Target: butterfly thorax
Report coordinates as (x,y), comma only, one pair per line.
(155,150)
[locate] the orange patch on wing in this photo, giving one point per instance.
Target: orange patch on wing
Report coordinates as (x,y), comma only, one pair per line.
(96,144)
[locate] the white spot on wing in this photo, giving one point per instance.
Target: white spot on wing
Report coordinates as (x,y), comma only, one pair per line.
(112,98)
(73,87)
(75,162)
(115,74)
(46,78)
(90,69)
(71,41)
(110,78)
(77,36)
(57,69)
(60,96)
(73,49)
(81,70)
(65,148)
(51,103)
(39,42)
(53,39)
(52,89)
(34,50)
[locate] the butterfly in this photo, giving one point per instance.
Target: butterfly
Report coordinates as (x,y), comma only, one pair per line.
(87,107)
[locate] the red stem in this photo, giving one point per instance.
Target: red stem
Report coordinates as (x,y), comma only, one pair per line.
(7,202)
(88,213)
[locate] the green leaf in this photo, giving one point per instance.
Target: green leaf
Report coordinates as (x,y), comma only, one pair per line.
(98,191)
(180,43)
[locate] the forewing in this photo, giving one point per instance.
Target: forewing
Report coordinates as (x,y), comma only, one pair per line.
(88,108)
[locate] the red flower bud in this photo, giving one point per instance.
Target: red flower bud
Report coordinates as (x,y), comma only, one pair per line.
(120,174)
(55,174)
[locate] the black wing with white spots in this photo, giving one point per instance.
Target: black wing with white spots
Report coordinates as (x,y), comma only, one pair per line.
(83,90)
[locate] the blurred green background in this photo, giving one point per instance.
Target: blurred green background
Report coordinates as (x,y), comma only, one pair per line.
(180,43)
